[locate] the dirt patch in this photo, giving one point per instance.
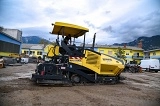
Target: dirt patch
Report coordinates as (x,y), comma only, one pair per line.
(137,81)
(6,89)
(134,88)
(20,90)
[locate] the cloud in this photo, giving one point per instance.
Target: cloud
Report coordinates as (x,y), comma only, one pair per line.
(108,29)
(113,21)
(42,32)
(89,24)
(137,27)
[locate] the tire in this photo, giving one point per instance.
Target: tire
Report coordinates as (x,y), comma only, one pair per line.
(147,69)
(4,65)
(156,71)
(75,78)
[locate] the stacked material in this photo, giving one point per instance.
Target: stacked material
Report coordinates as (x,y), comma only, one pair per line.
(9,60)
(1,63)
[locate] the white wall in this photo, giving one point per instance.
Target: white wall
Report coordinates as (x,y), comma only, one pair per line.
(15,33)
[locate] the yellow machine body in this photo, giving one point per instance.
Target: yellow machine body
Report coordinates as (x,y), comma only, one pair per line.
(73,30)
(53,51)
(101,64)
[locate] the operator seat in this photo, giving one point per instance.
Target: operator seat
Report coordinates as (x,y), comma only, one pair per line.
(71,50)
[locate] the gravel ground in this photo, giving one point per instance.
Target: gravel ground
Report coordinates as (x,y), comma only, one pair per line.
(138,89)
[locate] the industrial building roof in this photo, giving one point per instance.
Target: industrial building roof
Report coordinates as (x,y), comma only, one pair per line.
(112,46)
(152,50)
(9,36)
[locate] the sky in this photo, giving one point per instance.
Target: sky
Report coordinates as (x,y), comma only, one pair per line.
(113,21)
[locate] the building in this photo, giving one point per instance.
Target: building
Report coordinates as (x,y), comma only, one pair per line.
(15,33)
(152,54)
(132,53)
(9,45)
(35,50)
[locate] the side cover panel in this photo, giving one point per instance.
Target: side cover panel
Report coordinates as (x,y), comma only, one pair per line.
(102,64)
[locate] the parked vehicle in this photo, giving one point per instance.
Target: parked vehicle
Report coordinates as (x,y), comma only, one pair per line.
(150,65)
(24,60)
(32,60)
(9,60)
(2,63)
(132,68)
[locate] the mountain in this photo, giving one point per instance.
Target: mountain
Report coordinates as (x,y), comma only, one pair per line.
(33,40)
(148,43)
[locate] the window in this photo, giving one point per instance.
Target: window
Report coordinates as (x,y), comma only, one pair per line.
(9,47)
(154,53)
(127,53)
(137,54)
(109,52)
(101,51)
(39,53)
(32,52)
(133,62)
(26,52)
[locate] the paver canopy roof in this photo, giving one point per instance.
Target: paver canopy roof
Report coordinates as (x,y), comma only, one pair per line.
(61,28)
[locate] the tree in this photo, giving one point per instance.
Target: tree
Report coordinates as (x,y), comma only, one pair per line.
(1,28)
(53,43)
(43,41)
(120,53)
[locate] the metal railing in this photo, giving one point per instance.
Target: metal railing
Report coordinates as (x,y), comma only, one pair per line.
(137,57)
